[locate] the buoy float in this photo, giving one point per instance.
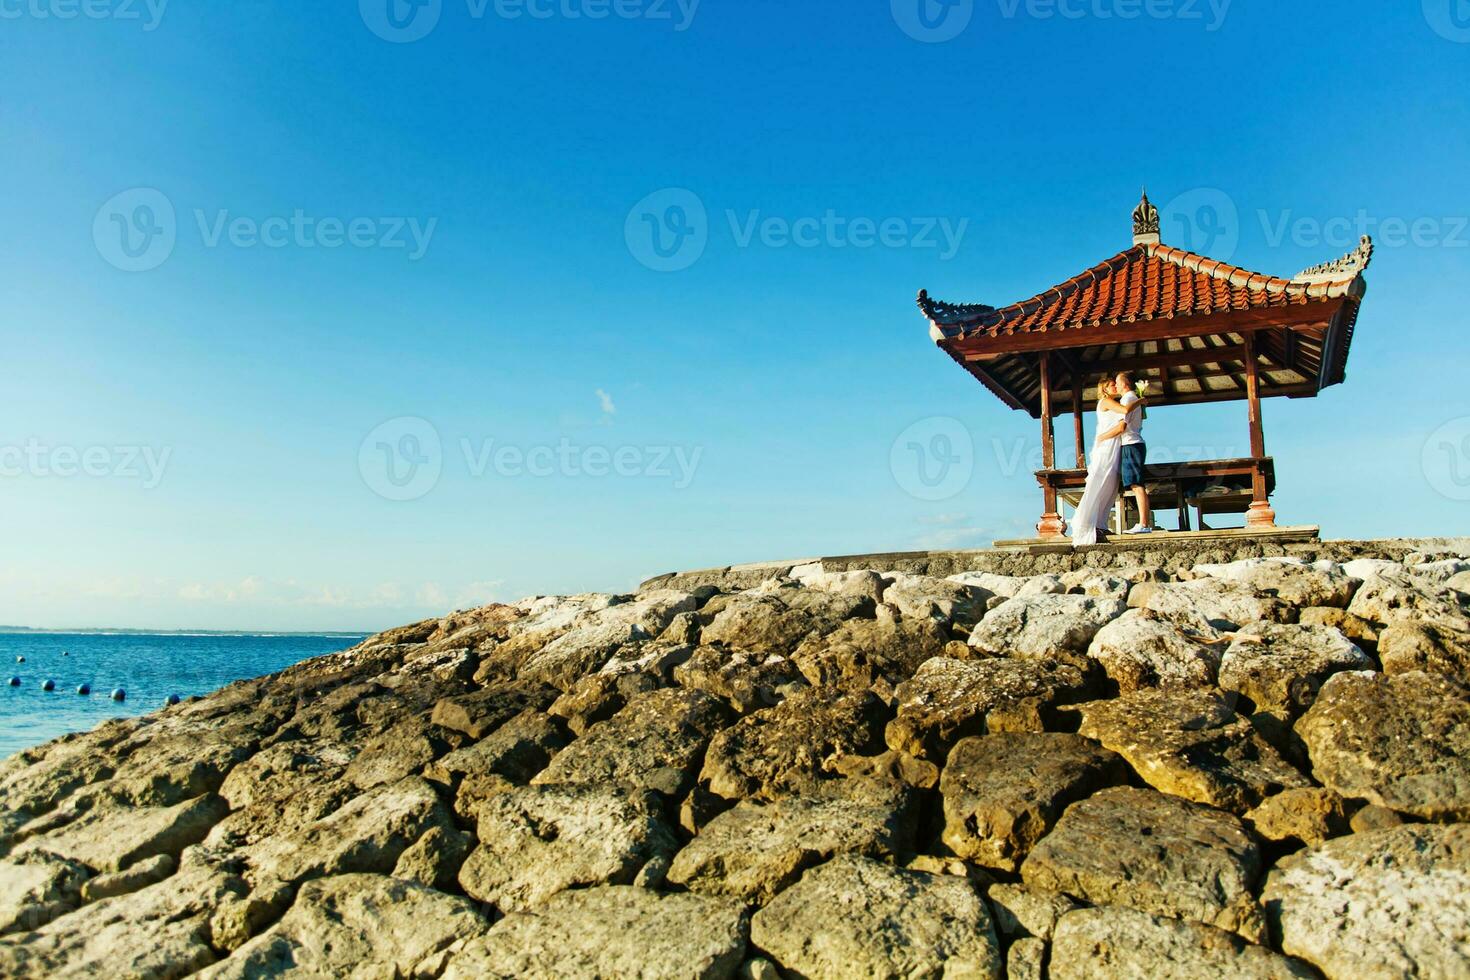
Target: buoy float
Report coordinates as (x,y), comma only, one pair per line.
(65,653)
(48,685)
(84,688)
(118,694)
(20,660)
(15,682)
(173,699)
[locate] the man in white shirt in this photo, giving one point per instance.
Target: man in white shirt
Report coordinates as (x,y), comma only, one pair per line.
(1135,454)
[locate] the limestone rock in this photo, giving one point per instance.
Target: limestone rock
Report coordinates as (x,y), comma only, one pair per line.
(1310,815)
(1281,667)
(1402,742)
(1044,626)
(140,875)
(1224,604)
(36,888)
(1290,580)
(598,697)
(777,622)
(1439,648)
(1105,943)
(357,924)
(402,750)
(948,699)
(368,835)
(861,582)
(1026,959)
(1022,911)
(789,747)
(1191,744)
(579,652)
(756,849)
(652,743)
(1003,792)
(1391,599)
(1140,649)
(856,917)
(517,750)
(1155,853)
(925,597)
(749,680)
(1355,628)
(112,837)
(1011,586)
(435,858)
(861,652)
(610,931)
(480,713)
(160,931)
(538,841)
(1390,903)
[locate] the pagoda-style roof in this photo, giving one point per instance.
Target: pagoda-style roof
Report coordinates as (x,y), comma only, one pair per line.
(1169,315)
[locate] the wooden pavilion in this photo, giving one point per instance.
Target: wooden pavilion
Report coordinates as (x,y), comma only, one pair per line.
(1199,330)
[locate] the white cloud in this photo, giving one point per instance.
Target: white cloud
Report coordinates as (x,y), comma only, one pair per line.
(605,403)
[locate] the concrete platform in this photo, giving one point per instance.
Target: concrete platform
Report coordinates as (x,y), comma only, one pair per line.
(1132,542)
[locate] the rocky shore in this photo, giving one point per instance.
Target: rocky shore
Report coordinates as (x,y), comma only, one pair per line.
(1249,761)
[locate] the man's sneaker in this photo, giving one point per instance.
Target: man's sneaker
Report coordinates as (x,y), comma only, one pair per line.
(1139,529)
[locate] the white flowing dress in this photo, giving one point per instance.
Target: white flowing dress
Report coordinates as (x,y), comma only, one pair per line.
(1102,482)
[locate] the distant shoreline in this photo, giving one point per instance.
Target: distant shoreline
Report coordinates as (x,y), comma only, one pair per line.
(118,631)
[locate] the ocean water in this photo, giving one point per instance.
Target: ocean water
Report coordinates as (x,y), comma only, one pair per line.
(149,667)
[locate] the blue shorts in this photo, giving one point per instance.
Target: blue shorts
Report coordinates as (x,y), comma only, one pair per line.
(1134,458)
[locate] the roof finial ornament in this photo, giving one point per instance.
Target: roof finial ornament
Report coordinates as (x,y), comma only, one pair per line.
(1145,222)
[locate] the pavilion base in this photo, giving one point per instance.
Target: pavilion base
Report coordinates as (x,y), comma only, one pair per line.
(1122,542)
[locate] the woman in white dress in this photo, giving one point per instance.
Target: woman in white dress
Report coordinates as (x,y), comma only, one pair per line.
(1102,468)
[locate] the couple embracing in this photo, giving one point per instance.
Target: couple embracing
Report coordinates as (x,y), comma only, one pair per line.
(1118,456)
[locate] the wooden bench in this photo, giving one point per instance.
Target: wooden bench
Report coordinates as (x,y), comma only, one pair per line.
(1211,486)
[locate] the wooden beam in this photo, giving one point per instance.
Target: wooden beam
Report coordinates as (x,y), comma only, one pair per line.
(1048,435)
(1151,362)
(1317,315)
(1077,384)
(1260,513)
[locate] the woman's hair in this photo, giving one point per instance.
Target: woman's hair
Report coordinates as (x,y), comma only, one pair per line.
(1102,387)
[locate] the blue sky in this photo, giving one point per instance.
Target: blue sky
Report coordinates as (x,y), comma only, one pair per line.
(346,246)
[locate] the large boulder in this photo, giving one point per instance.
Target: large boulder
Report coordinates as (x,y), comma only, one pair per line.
(1401,742)
(540,840)
(1389,903)
(948,699)
(748,679)
(480,713)
(159,932)
(36,888)
(1309,815)
(778,620)
(1011,586)
(610,931)
(1390,599)
(1110,942)
(356,924)
(789,747)
(856,917)
(1020,911)
(1044,626)
(756,849)
(1288,579)
(655,742)
(1224,604)
(925,597)
(579,652)
(1193,745)
(112,836)
(1280,667)
(1003,792)
(1439,648)
(1155,853)
(517,750)
(1141,649)
(862,652)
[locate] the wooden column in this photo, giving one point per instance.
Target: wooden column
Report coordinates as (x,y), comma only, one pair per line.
(1051,524)
(1077,419)
(1260,513)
